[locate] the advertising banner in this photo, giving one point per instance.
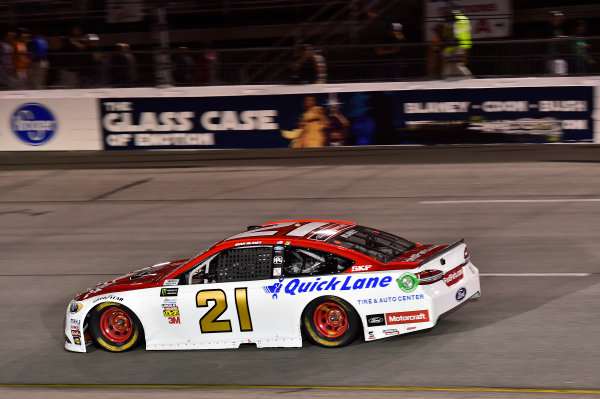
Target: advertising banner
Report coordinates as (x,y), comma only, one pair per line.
(489,18)
(51,124)
(437,116)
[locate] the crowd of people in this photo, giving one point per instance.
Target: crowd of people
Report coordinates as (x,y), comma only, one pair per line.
(29,60)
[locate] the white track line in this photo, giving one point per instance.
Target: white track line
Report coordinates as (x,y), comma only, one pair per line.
(535,274)
(508,201)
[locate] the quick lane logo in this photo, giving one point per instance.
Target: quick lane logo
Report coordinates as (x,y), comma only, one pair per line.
(274,288)
(453,276)
(33,124)
(417,316)
(298,286)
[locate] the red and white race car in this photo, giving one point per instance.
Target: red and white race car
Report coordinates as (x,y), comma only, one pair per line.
(272,284)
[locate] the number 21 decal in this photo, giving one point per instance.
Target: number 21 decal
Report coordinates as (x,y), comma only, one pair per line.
(209,323)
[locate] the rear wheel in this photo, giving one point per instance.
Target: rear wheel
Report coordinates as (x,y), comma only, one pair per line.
(115,328)
(330,322)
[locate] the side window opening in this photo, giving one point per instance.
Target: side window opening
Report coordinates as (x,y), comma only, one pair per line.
(242,264)
(309,261)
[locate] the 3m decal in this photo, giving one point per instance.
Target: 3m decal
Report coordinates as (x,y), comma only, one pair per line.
(408,282)
(169,291)
(174,320)
(453,276)
(399,298)
(374,320)
(417,316)
(461,294)
(209,323)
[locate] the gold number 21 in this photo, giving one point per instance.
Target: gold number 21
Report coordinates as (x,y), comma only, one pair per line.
(209,322)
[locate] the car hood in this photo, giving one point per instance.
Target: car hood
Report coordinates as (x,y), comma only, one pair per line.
(144,278)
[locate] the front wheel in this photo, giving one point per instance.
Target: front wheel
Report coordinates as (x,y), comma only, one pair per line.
(330,322)
(114,327)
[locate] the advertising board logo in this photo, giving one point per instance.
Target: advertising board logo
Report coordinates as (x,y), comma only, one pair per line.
(33,124)
(417,316)
(461,294)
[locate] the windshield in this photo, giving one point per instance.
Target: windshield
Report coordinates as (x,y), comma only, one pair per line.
(379,245)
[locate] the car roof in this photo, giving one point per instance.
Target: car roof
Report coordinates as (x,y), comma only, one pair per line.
(310,229)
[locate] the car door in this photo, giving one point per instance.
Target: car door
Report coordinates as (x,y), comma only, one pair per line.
(225,300)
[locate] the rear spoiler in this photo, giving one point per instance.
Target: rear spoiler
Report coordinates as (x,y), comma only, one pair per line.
(443,251)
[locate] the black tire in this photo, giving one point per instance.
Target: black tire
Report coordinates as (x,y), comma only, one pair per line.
(330,322)
(114,328)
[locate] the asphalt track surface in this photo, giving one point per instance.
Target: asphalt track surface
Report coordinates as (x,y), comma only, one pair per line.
(71,220)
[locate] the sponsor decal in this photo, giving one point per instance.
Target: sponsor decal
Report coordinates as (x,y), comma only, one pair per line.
(411,328)
(169,291)
(391,331)
(374,320)
(417,316)
(76,321)
(399,298)
(171,312)
(274,288)
(77,340)
(472,269)
(288,242)
(371,335)
(278,260)
(175,320)
(171,282)
(461,294)
(33,124)
(351,283)
(349,233)
(361,268)
(453,276)
(248,243)
(279,248)
(277,272)
(408,282)
(107,298)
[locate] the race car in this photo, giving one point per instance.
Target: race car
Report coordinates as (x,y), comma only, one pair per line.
(275,284)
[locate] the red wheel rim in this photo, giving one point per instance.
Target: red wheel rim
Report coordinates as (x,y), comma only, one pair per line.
(330,320)
(116,325)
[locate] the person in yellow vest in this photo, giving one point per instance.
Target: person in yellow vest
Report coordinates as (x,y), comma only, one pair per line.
(457,35)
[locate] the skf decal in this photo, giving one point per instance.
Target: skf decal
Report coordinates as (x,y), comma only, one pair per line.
(361,268)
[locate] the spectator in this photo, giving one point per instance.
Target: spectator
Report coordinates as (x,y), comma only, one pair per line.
(124,67)
(306,70)
(74,58)
(321,67)
(207,66)
(583,60)
(20,56)
(95,64)
(557,65)
(434,53)
(389,57)
(7,74)
(184,66)
(457,35)
(38,56)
